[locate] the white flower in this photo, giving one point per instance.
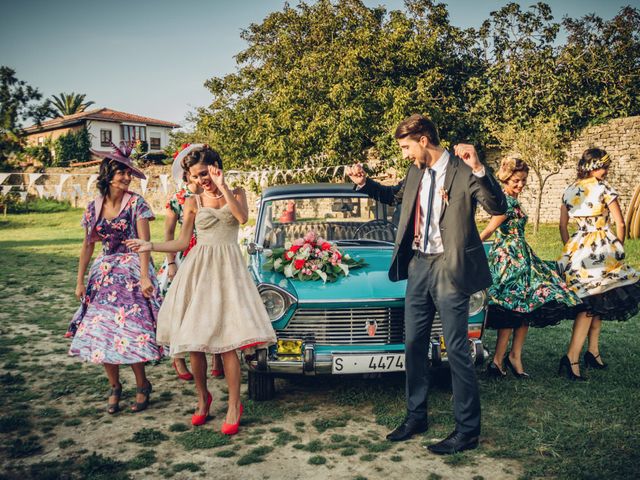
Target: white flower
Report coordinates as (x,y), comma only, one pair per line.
(347,256)
(277,263)
(267,252)
(322,275)
(344,268)
(288,270)
(287,245)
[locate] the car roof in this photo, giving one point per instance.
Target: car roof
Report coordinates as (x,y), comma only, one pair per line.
(311,189)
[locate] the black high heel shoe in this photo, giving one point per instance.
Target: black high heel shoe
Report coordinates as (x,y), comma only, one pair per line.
(566,363)
(494,371)
(591,361)
(516,374)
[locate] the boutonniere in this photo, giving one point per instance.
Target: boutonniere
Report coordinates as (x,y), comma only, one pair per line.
(445,196)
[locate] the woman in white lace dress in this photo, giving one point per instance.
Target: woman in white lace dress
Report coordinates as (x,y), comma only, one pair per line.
(213,305)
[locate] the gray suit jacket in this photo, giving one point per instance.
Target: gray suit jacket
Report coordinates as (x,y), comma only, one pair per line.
(463,251)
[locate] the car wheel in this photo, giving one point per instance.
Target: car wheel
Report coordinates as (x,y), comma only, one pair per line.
(261,386)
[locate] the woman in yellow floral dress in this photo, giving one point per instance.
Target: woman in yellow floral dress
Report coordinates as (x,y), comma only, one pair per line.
(592,260)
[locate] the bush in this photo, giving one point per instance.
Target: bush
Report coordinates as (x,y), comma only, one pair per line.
(40,153)
(73,146)
(33,204)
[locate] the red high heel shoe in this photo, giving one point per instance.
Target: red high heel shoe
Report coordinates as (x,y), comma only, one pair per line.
(182,376)
(232,428)
(216,372)
(198,420)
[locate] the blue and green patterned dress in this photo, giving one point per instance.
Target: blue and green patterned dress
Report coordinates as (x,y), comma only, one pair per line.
(525,289)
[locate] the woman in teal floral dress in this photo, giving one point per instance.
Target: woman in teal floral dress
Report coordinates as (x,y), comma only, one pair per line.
(526,290)
(592,260)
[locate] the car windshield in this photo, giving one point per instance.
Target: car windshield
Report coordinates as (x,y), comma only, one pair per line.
(346,220)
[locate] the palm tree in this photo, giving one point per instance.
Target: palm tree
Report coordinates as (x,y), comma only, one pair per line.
(68,104)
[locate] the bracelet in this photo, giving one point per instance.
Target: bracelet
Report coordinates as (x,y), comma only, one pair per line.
(171,263)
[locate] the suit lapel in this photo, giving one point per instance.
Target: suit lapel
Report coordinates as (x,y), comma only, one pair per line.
(409,198)
(452,169)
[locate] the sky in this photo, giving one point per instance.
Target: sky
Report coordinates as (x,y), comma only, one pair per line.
(152,57)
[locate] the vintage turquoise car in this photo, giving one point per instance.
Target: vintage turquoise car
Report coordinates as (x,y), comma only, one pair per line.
(353,325)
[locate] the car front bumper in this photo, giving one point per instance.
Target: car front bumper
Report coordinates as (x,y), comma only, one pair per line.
(314,361)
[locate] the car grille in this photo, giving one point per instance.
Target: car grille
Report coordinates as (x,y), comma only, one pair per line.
(348,326)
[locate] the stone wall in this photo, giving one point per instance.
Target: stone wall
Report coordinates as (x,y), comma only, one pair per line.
(619,137)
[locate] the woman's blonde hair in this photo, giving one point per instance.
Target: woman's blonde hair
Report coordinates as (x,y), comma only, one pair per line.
(509,166)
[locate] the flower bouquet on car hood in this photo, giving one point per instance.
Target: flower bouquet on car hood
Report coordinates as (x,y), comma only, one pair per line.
(311,258)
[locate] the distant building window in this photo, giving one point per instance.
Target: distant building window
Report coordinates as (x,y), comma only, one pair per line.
(105,138)
(129,132)
(155,143)
(40,140)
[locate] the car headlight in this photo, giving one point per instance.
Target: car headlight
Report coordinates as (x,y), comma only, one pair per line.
(276,301)
(476,302)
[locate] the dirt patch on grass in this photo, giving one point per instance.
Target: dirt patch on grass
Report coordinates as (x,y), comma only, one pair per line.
(300,434)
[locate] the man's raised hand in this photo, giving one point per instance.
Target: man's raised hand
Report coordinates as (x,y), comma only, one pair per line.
(468,155)
(357,174)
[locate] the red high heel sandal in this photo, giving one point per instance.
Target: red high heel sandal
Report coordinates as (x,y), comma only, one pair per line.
(198,420)
(232,428)
(182,376)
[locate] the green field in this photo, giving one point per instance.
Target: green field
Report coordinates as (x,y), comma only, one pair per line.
(50,403)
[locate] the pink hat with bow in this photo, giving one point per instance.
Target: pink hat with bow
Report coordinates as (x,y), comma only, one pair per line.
(121,155)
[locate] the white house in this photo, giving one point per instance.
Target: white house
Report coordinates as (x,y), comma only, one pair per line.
(105,126)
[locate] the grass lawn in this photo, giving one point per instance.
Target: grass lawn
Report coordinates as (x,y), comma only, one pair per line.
(52,405)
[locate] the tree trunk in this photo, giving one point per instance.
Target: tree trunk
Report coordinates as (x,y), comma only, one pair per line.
(542,182)
(536,223)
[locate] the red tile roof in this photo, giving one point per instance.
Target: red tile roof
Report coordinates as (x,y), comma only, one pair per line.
(104,114)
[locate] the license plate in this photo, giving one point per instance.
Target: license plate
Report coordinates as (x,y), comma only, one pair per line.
(372,363)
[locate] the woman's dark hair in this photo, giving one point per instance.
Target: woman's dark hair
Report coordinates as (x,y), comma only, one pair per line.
(108,169)
(417,126)
(592,159)
(206,155)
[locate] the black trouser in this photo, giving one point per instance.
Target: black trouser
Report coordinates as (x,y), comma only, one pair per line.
(429,288)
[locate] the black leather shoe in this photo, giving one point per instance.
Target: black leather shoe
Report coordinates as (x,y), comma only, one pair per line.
(408,429)
(454,443)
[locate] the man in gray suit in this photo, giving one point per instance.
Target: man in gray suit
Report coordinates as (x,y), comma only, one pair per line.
(439,252)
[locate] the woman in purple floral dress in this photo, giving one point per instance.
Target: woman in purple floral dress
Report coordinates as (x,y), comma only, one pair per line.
(116,323)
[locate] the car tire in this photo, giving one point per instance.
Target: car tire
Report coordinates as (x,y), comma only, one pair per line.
(261,386)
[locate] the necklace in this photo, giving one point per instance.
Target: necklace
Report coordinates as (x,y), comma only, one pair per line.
(212,196)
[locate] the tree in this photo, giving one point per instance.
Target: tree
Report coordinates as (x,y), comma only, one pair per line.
(18,103)
(602,59)
(322,84)
(68,104)
(537,90)
(539,145)
(72,147)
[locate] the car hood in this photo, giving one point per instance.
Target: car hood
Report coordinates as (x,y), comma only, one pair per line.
(370,282)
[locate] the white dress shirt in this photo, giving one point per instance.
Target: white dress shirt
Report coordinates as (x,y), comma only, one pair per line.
(434,242)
